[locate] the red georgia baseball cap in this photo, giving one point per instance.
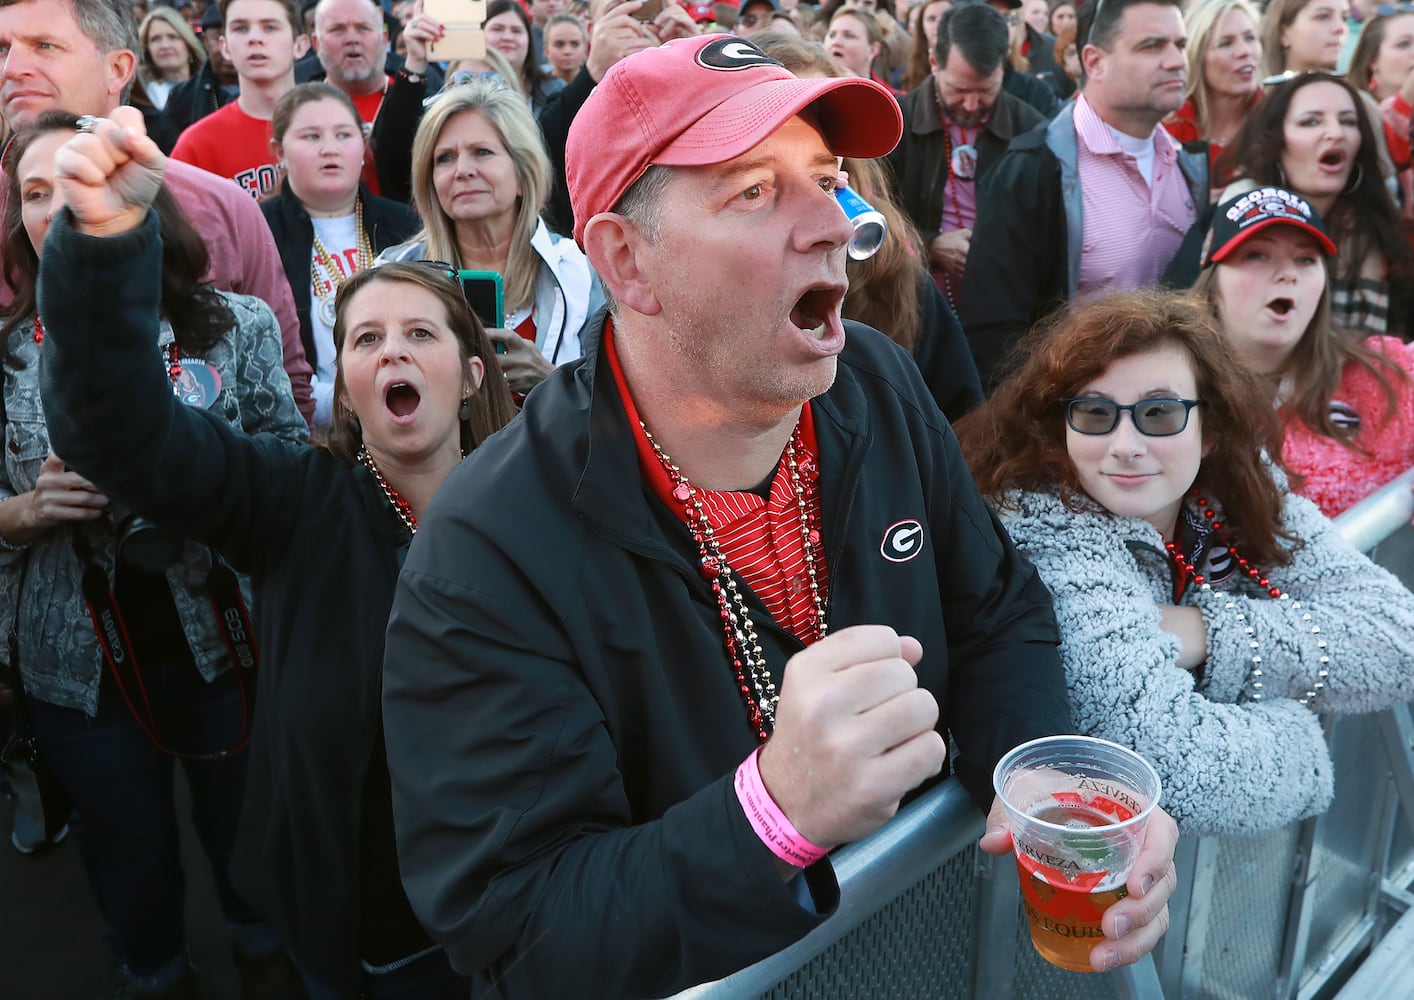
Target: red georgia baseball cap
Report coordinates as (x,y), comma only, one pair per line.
(704,100)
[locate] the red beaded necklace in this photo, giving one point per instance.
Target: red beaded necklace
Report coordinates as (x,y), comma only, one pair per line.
(743,646)
(173,356)
(1187,572)
(395,499)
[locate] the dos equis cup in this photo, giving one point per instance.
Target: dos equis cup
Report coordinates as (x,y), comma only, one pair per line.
(1077,808)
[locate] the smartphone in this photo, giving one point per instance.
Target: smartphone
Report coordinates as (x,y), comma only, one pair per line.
(463,20)
(485,292)
(650,10)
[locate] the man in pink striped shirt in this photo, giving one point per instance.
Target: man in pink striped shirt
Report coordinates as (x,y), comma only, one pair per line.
(1097,199)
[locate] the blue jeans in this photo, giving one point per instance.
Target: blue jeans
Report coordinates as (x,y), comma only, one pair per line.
(122,789)
(430,977)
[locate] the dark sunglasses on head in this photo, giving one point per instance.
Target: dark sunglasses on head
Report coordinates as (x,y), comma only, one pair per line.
(1152,417)
(1388,9)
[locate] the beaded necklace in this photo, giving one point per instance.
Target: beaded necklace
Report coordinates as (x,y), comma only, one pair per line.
(336,277)
(395,499)
(743,646)
(1187,572)
(953,177)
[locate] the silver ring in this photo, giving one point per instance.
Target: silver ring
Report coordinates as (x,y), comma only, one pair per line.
(87,123)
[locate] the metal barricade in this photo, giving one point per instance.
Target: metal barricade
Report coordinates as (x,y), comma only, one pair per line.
(923,914)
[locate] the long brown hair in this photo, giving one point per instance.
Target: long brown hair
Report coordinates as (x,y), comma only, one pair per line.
(1279,15)
(1313,371)
(490,407)
(919,67)
(1364,218)
(1016,440)
(198,315)
(1362,61)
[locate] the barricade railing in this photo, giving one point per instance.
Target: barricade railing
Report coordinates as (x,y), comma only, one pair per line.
(1286,915)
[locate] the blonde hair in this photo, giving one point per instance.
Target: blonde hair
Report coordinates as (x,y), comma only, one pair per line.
(507,111)
(1201,22)
(196,52)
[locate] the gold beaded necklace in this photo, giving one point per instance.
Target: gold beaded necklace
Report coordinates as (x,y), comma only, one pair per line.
(336,277)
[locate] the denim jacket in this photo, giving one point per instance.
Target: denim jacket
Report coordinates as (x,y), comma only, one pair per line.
(59,653)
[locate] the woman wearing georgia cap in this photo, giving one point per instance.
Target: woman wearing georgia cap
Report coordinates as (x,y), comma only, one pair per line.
(1347,406)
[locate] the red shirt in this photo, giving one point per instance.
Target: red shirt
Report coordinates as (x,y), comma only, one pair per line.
(759,537)
(230,143)
(368,105)
(1183,126)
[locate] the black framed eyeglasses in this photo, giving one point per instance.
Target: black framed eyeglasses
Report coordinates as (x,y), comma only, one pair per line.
(1152,417)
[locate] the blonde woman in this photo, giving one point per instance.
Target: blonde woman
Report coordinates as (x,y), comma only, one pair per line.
(480,177)
(1224,75)
(169,53)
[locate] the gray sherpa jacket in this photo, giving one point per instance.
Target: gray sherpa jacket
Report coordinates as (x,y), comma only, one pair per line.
(1229,765)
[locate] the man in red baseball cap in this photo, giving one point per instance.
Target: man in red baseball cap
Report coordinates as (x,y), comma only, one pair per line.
(710,608)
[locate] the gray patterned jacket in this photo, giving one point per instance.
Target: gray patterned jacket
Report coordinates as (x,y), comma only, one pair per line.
(1229,764)
(59,653)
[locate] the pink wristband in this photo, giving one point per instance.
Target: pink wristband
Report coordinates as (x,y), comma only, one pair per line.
(771,825)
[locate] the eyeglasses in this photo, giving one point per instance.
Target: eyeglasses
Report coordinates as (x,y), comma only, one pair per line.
(1388,9)
(465,78)
(462,77)
(1152,417)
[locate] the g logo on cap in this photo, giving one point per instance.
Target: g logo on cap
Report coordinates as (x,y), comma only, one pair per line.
(733,53)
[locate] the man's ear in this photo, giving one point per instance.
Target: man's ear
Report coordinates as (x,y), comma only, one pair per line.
(617,252)
(120,65)
(301,45)
(1092,61)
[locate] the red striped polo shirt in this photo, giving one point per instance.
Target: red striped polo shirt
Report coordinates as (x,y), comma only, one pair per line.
(759,536)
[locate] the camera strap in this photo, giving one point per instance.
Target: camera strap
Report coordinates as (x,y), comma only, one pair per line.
(233,620)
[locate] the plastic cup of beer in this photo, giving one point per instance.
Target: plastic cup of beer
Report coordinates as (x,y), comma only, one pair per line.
(1077,807)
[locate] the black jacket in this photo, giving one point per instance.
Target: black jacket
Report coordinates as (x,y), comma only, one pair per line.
(1031,90)
(943,355)
(190,101)
(1024,259)
(1041,54)
(387,223)
(919,163)
(314,850)
(561,719)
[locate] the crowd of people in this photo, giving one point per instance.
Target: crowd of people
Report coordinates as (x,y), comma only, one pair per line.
(706,583)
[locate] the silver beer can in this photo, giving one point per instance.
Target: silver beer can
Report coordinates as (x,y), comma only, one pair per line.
(869,226)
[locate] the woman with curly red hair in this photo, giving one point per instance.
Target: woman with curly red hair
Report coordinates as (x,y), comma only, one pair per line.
(1205,612)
